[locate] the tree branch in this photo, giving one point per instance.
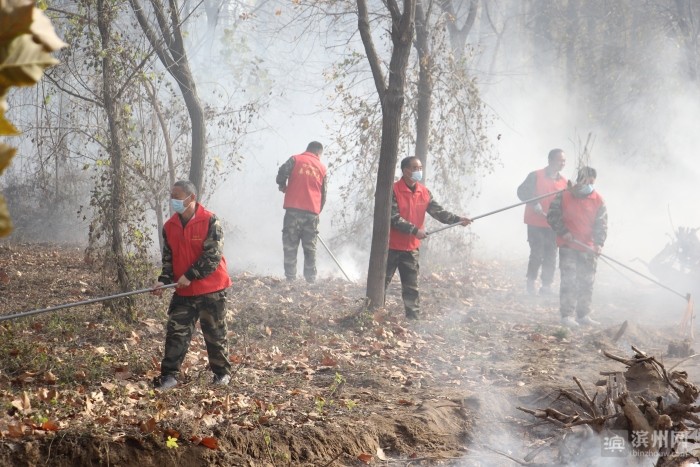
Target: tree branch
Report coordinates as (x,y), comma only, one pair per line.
(150,34)
(71,93)
(372,56)
(177,45)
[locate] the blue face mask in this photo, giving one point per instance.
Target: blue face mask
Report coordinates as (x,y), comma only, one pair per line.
(178,205)
(586,190)
(417,176)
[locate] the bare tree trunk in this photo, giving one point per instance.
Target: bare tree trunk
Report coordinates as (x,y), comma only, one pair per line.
(459,34)
(199,129)
(392,100)
(425,85)
(104,23)
(159,221)
(148,86)
(170,48)
(687,22)
(499,39)
(572,12)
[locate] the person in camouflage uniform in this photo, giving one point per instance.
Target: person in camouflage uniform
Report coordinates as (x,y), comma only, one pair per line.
(193,244)
(580,219)
(410,202)
(302,179)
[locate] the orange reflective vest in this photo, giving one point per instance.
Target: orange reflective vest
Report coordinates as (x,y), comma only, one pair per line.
(543,186)
(412,206)
(186,245)
(578,215)
(305,183)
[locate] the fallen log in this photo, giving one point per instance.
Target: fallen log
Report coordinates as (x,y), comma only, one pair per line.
(647,400)
(636,419)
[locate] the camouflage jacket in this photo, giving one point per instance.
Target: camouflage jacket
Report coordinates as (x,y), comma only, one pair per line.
(212,252)
(434,209)
(286,170)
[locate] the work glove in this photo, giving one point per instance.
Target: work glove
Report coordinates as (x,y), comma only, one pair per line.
(538,209)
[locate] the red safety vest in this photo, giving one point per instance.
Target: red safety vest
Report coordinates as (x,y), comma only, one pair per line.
(305,183)
(544,185)
(186,245)
(579,216)
(412,207)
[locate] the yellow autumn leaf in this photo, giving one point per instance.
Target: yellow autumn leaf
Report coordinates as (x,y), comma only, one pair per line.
(6,155)
(3,100)
(7,128)
(5,221)
(42,31)
(171,442)
(15,18)
(22,62)
(23,404)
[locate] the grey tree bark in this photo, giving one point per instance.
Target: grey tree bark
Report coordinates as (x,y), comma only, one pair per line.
(170,48)
(105,15)
(459,34)
(687,16)
(425,84)
(391,96)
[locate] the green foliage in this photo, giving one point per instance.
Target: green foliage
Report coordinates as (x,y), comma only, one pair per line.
(338,380)
(319,403)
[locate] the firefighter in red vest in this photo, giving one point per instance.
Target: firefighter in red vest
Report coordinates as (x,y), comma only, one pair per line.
(193,245)
(580,220)
(409,202)
(302,179)
(540,236)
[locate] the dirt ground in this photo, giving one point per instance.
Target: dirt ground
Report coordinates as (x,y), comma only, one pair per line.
(318,381)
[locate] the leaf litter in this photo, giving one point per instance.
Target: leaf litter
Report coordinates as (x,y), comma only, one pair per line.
(318,380)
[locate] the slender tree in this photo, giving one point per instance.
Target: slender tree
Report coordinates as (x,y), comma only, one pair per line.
(686,16)
(170,48)
(105,17)
(391,97)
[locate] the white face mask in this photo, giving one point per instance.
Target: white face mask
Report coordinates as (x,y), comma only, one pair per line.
(178,205)
(417,176)
(586,190)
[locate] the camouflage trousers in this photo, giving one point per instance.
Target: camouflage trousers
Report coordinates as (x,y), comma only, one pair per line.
(543,253)
(577,277)
(183,314)
(407,264)
(299,226)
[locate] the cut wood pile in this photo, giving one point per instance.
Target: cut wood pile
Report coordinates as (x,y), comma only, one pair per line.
(644,411)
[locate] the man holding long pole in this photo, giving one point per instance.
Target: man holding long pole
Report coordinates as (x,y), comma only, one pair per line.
(543,248)
(580,220)
(410,202)
(302,179)
(193,245)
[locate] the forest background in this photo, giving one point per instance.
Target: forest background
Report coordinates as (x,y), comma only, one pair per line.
(223,92)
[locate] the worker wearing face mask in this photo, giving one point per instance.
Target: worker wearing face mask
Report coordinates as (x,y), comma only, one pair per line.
(193,245)
(410,201)
(580,220)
